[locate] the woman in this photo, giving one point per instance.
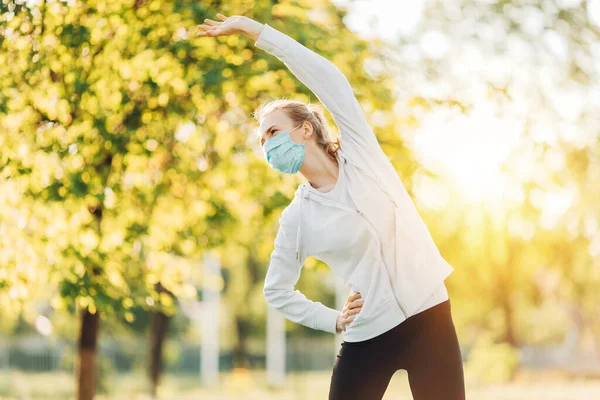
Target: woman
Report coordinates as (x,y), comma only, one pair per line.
(355,215)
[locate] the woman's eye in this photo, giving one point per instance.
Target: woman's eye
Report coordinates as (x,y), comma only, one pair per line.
(272,133)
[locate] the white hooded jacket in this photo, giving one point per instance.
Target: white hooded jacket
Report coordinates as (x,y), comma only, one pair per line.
(343,237)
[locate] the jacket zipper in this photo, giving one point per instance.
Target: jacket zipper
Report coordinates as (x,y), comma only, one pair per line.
(373,230)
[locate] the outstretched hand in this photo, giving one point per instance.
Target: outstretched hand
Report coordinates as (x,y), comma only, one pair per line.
(228,26)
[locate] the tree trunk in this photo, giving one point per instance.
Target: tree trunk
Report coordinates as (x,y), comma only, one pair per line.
(86,363)
(158,333)
(509,326)
(240,353)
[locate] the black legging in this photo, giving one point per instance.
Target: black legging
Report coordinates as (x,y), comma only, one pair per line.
(425,345)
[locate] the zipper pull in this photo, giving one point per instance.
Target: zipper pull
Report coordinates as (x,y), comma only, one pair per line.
(296,255)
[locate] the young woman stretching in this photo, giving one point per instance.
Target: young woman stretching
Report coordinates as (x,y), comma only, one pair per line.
(355,215)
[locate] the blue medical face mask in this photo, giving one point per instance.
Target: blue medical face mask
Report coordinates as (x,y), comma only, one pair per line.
(283,154)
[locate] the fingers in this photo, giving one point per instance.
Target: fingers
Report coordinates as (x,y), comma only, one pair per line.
(349,315)
(356,303)
(207,30)
(354,311)
(352,307)
(353,297)
(211,26)
(211,22)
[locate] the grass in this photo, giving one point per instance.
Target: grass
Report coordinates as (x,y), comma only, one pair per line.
(244,384)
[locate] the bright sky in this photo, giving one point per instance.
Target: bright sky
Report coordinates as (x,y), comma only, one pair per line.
(390,18)
(384,18)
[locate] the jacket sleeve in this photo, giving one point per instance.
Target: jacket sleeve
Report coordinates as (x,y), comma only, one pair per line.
(327,82)
(283,274)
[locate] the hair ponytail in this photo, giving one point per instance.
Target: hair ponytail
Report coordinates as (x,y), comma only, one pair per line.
(327,142)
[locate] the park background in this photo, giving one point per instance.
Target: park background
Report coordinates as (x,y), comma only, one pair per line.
(137,212)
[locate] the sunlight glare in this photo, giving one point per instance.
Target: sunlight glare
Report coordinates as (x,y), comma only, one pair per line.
(469,149)
(593,10)
(387,19)
(554,205)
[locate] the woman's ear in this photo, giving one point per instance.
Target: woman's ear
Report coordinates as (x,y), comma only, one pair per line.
(309,128)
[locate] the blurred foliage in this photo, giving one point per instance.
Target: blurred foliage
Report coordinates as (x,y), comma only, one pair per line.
(128,153)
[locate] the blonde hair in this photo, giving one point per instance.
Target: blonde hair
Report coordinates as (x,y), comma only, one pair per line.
(299,112)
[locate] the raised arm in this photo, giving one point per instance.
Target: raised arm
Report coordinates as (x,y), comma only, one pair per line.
(325,80)
(357,139)
(319,74)
(283,274)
